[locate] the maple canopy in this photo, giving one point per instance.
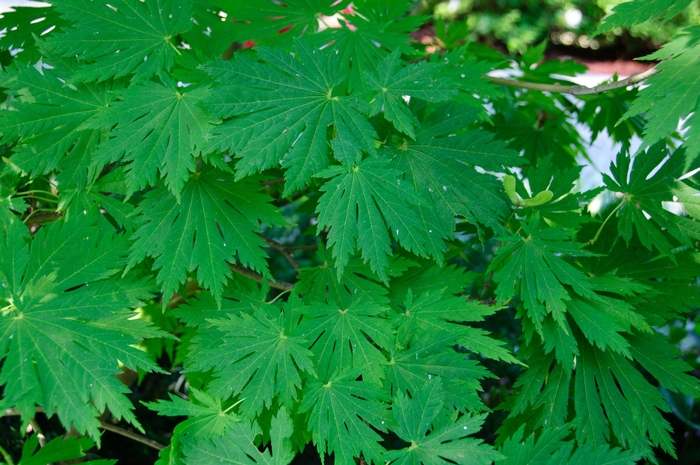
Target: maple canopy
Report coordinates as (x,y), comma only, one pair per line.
(340,239)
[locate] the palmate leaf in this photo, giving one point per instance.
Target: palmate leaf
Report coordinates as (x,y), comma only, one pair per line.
(263,21)
(58,450)
(259,356)
(22,25)
(530,264)
(639,11)
(343,413)
(440,166)
(283,109)
(239,445)
(446,442)
(553,448)
(121,37)
(632,406)
(357,281)
(390,83)
(430,356)
(215,219)
(67,325)
(352,336)
(672,95)
(646,191)
(208,418)
(45,119)
(434,312)
(359,204)
(368,34)
(156,127)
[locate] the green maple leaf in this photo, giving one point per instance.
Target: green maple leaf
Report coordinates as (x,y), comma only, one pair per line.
(440,166)
(672,95)
(46,120)
(640,11)
(214,219)
(343,413)
(632,406)
(359,204)
(208,418)
(646,191)
(240,445)
(551,447)
(22,25)
(263,21)
(530,263)
(260,357)
(357,281)
(446,442)
(430,356)
(432,312)
(283,111)
(59,449)
(121,37)
(65,326)
(156,127)
(391,82)
(375,28)
(351,336)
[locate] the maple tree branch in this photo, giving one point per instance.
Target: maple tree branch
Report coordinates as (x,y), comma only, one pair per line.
(576,89)
(281,249)
(281,285)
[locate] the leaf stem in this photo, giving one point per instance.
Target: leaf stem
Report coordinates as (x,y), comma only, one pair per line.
(600,229)
(576,89)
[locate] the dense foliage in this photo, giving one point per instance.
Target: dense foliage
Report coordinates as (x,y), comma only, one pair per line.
(347,243)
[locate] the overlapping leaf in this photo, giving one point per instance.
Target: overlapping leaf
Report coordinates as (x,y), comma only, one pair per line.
(672,95)
(359,204)
(283,109)
(373,30)
(259,357)
(215,222)
(352,336)
(239,445)
(644,194)
(45,120)
(156,128)
(639,11)
(264,20)
(529,263)
(446,442)
(22,25)
(440,166)
(66,327)
(121,37)
(344,414)
(391,83)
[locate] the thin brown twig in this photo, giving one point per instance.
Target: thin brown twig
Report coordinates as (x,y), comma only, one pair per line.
(577,90)
(131,435)
(302,247)
(281,285)
(103,424)
(272,182)
(281,249)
